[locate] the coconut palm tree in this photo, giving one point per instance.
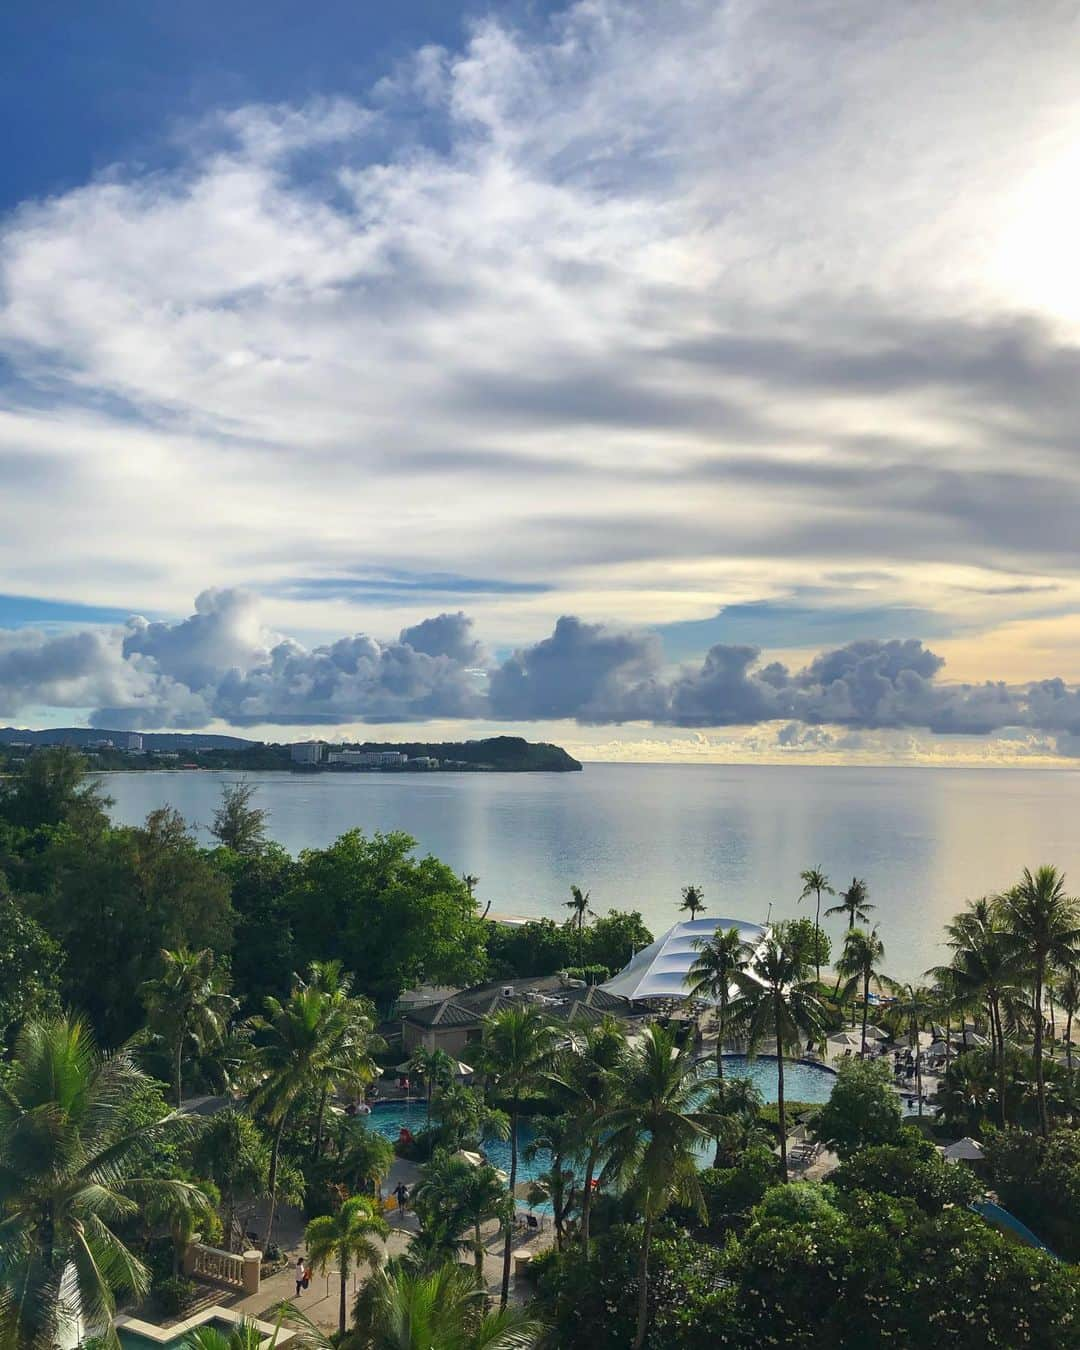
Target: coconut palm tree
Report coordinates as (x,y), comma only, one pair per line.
(914,1006)
(345,1237)
(579,903)
(233,1153)
(816,883)
(74,1163)
(858,964)
(467,1197)
(516,1052)
(736,1103)
(557,1138)
(1069,999)
(435,1067)
(693,901)
(778,1002)
(364,1157)
(854,902)
(443,1310)
(654,1133)
(188,1007)
(1042,927)
(349,1037)
(712,976)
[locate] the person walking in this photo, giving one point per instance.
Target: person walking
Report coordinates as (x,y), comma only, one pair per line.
(401,1191)
(299,1275)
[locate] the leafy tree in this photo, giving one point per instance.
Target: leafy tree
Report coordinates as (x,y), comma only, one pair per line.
(862,1111)
(235,1154)
(237,824)
(913,1006)
(345,1237)
(72,1164)
(579,903)
(265,953)
(393,920)
(613,938)
(778,1003)
(813,942)
(443,1310)
(436,1068)
(1039,1181)
(693,901)
(654,1132)
(817,884)
(52,789)
(349,1036)
(516,1052)
(1043,929)
(29,967)
(736,1103)
(713,975)
(858,965)
(909,1168)
(364,1157)
(463,1197)
(188,1007)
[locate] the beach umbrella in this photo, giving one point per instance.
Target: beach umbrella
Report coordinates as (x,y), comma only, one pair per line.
(938,1048)
(462,1070)
(964,1150)
(876,1034)
(846,1040)
(524,1189)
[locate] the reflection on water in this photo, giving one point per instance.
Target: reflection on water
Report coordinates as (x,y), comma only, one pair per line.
(925,839)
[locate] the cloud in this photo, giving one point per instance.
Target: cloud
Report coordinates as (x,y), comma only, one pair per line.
(611,305)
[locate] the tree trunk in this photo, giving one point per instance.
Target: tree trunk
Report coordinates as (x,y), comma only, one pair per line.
(275,1154)
(587,1199)
(319,1124)
(817,939)
(643,1286)
(478,1254)
(1068,1039)
(341,1296)
(178,1068)
(1040,1081)
(948,1042)
(997,1039)
(865,1011)
(721,1010)
(781,1112)
(504,1292)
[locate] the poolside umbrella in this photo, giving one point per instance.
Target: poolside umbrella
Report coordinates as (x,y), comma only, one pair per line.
(938,1048)
(876,1034)
(965,1150)
(466,1155)
(846,1039)
(524,1190)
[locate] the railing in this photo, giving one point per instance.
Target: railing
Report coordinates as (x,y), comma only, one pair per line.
(211,1263)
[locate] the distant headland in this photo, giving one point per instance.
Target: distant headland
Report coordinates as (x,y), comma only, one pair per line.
(123,750)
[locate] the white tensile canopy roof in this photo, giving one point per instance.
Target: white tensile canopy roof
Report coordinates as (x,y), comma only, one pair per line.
(660,970)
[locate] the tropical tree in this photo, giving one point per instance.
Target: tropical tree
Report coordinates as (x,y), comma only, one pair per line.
(345,1237)
(364,1158)
(914,1005)
(858,965)
(74,1163)
(1069,999)
(654,1134)
(713,976)
(463,1196)
(693,901)
(579,903)
(465,1119)
(1043,929)
(557,1138)
(188,1007)
(816,883)
(736,1104)
(443,1310)
(435,1067)
(237,824)
(517,1050)
(779,1003)
(234,1153)
(854,902)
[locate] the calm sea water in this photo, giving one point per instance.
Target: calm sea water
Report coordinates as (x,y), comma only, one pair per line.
(633,835)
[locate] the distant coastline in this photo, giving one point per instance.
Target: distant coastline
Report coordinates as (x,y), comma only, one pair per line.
(127,751)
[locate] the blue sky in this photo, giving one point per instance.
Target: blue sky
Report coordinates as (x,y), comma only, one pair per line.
(671,342)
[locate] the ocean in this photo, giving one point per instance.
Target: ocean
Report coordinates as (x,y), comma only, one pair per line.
(634,834)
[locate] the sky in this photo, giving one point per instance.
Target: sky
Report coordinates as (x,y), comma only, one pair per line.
(669,379)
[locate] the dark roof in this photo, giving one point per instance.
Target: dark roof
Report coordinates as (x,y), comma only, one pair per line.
(471,1006)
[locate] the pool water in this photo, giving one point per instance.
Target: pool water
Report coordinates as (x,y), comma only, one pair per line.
(803,1082)
(131,1340)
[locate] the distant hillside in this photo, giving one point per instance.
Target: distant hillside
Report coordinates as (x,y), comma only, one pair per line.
(506,753)
(152,740)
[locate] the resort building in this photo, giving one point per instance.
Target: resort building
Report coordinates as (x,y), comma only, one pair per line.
(658,972)
(306,752)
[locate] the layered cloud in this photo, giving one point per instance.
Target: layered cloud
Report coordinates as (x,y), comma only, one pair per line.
(221,665)
(643,309)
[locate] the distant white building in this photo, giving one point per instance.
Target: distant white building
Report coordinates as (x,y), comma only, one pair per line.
(306,752)
(368,759)
(423,762)
(132,741)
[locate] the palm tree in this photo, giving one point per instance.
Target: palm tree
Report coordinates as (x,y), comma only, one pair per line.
(854,903)
(1042,929)
(443,1310)
(349,1036)
(364,1157)
(712,976)
(516,1051)
(816,883)
(435,1067)
(579,903)
(693,901)
(555,1137)
(345,1237)
(586,1075)
(295,1039)
(234,1154)
(466,1196)
(736,1103)
(188,1007)
(1069,999)
(779,1003)
(654,1134)
(471,883)
(858,964)
(465,1119)
(72,1160)
(914,1005)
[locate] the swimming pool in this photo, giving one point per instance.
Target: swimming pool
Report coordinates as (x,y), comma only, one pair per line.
(803,1082)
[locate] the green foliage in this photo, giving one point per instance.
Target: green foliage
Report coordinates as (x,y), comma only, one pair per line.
(392,919)
(29,967)
(238,825)
(52,789)
(544,947)
(590,974)
(1039,1181)
(813,942)
(863,1109)
(911,1170)
(730,1193)
(265,957)
(172,1294)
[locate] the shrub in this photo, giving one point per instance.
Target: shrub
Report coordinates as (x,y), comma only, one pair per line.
(911,1170)
(173,1294)
(863,1110)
